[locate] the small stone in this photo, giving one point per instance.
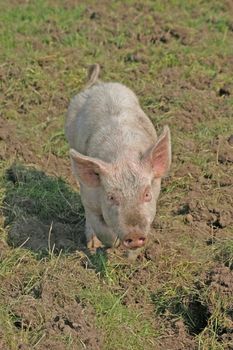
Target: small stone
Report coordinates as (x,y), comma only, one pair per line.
(189,218)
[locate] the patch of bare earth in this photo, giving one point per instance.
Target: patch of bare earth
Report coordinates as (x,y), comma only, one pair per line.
(48,311)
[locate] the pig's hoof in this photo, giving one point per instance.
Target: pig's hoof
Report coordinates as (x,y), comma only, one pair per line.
(94,244)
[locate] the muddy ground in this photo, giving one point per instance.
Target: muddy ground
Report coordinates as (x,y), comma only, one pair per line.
(179,293)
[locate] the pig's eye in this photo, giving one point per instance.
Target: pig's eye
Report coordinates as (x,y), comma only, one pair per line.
(113,199)
(147,195)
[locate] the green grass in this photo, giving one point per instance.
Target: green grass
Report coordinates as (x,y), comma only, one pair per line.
(119,322)
(32,192)
(224,252)
(34,19)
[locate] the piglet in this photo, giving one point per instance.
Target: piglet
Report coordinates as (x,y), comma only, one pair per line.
(118,161)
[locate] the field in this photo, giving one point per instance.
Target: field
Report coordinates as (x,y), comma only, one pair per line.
(177,56)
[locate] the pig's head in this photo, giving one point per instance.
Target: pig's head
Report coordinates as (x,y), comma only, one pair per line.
(128,188)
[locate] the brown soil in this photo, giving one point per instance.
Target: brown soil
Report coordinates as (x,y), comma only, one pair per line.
(33,234)
(47,308)
(73,319)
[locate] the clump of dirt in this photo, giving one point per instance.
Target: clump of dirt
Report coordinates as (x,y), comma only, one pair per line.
(44,307)
(190,169)
(163,33)
(211,216)
(204,212)
(72,320)
(176,337)
(220,279)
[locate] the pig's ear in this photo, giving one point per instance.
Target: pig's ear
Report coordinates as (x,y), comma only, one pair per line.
(88,169)
(159,155)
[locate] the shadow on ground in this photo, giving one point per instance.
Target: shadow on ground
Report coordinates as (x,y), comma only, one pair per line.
(42,213)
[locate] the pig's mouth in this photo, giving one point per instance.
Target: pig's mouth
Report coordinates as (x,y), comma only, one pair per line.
(131,241)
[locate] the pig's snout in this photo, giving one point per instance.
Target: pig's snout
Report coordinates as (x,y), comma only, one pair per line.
(134,240)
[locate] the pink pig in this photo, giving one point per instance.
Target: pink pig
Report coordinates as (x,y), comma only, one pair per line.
(119,162)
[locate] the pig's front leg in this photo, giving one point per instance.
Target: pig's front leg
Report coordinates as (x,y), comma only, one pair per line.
(97,232)
(92,241)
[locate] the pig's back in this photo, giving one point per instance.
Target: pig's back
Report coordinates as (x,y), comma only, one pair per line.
(109,119)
